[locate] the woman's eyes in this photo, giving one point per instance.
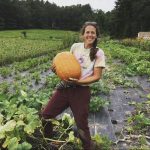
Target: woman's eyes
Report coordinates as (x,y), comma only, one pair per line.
(88,32)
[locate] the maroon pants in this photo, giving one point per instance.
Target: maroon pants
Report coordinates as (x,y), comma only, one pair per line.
(77,98)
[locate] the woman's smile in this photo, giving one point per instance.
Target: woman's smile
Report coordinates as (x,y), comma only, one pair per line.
(89,36)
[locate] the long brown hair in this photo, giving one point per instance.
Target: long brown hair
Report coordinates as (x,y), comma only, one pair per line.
(93,50)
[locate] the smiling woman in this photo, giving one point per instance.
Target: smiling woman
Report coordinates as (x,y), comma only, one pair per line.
(89,36)
(75,93)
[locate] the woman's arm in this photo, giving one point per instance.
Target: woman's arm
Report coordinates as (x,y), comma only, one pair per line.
(97,74)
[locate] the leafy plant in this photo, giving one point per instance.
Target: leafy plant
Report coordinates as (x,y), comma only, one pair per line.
(69,39)
(4,87)
(5,71)
(100,87)
(97,103)
(102,142)
(36,77)
(17,124)
(64,135)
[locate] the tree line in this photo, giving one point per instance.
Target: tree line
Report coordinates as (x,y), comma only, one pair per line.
(125,20)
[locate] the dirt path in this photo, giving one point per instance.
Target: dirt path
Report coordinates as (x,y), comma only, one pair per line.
(111,120)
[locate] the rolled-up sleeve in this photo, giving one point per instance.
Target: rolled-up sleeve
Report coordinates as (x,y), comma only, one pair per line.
(100,59)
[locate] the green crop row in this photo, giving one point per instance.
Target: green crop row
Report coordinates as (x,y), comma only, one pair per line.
(14,47)
(136,60)
(139,43)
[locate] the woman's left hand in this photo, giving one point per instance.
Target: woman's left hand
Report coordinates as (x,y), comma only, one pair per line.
(72,80)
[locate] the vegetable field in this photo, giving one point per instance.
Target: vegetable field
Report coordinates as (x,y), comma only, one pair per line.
(121,99)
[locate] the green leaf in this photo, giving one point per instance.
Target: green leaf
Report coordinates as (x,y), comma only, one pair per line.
(66,117)
(148,96)
(97,138)
(2,135)
(1,119)
(11,143)
(55,122)
(24,146)
(31,126)
(9,126)
(71,121)
(129,129)
(28,129)
(71,137)
(20,123)
(5,144)
(132,103)
(24,94)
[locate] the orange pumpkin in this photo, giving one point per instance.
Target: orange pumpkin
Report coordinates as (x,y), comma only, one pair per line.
(67,66)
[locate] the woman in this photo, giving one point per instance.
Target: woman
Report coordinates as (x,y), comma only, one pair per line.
(76,93)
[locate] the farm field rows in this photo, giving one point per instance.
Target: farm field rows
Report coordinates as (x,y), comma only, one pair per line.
(26,83)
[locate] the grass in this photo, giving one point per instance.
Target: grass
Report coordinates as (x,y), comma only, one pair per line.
(15,47)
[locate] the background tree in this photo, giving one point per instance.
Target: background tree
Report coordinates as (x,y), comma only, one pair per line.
(126,20)
(130,17)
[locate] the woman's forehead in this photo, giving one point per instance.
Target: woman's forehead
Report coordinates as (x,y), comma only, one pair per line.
(90,27)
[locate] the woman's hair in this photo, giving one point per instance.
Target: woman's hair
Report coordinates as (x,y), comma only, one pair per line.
(93,50)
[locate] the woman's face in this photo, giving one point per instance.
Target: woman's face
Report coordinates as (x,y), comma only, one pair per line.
(89,36)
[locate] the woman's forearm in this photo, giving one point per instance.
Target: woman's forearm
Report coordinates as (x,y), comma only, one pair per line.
(88,80)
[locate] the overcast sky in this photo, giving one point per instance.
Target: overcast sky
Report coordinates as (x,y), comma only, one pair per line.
(105,5)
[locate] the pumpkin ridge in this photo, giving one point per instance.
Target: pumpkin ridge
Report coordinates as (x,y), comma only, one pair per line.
(67,66)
